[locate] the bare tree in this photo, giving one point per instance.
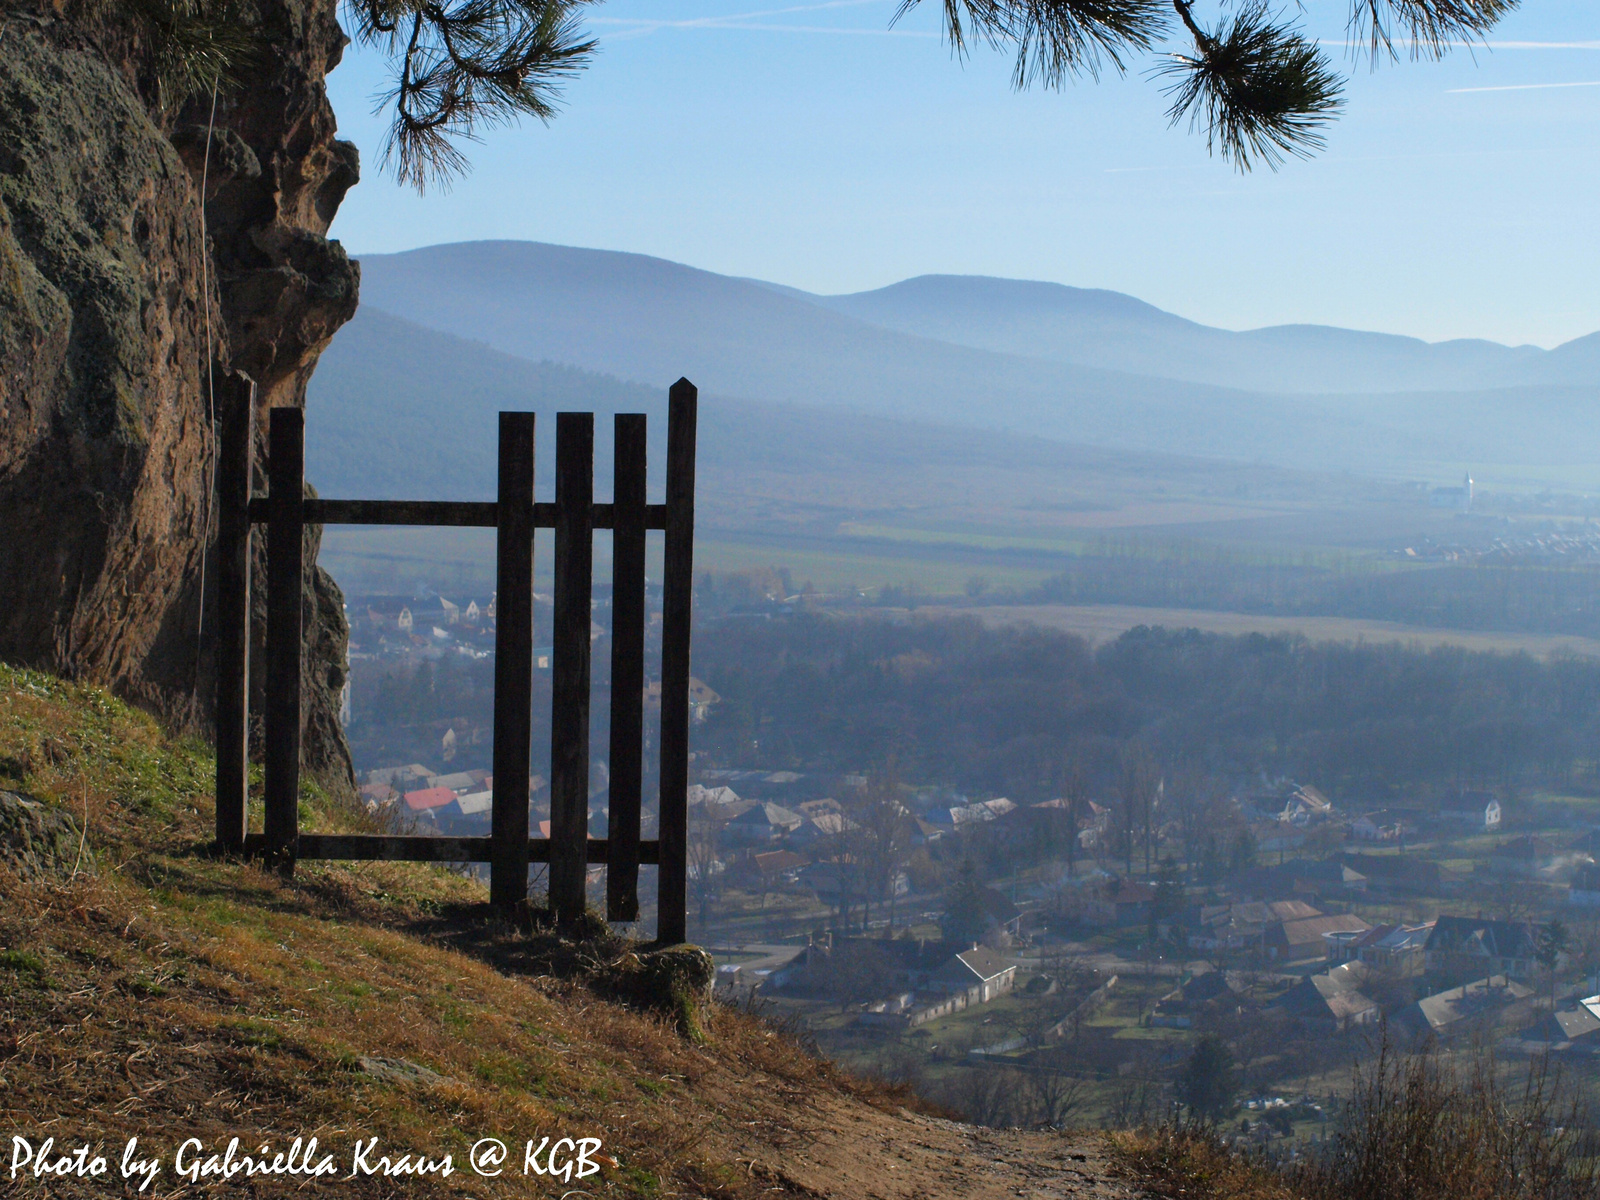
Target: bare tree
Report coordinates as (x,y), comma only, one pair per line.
(1057,1094)
(1072,787)
(990,1096)
(1514,899)
(854,972)
(1195,800)
(704,864)
(881,839)
(1139,786)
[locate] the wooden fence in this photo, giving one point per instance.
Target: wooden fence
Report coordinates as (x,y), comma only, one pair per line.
(573,516)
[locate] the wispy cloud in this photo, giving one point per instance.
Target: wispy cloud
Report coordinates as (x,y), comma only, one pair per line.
(1522,87)
(1536,45)
(1401,44)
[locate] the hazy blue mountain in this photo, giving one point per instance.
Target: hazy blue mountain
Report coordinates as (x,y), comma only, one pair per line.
(647,320)
(399,411)
(1109,330)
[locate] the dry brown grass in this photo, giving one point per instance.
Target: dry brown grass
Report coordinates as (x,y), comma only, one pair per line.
(1192,1164)
(170,994)
(1426,1129)
(1415,1128)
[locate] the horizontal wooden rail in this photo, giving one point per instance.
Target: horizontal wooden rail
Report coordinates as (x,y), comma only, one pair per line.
(481,514)
(425,848)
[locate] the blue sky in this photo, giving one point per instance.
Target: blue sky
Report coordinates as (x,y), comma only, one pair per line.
(812,145)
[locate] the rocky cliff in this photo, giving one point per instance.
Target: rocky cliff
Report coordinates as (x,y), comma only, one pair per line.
(113,323)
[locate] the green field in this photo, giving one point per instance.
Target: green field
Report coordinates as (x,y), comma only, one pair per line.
(1100,623)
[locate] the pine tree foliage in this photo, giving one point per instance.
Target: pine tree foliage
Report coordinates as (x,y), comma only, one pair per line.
(464,66)
(1246,76)
(194,46)
(1258,91)
(1257,87)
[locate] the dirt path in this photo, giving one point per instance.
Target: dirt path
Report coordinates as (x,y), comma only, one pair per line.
(854,1152)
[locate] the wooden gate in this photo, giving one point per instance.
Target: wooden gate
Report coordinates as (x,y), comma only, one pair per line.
(574,516)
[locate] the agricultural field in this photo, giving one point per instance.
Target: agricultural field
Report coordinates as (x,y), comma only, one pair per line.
(1101,623)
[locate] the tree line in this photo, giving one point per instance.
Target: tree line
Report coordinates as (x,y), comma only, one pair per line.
(1030,713)
(1519,598)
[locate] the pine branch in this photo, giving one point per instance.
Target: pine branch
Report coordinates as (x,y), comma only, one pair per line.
(196,45)
(464,67)
(1055,39)
(1430,28)
(1260,90)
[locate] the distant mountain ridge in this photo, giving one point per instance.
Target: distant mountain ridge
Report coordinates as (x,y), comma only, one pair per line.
(398,410)
(1098,328)
(1005,355)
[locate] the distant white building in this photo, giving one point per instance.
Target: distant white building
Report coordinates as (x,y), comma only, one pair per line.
(1478,811)
(979,972)
(1458,498)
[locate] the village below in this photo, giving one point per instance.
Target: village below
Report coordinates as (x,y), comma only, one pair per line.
(1117,939)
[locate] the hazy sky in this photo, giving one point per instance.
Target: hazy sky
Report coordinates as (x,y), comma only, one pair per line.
(812,145)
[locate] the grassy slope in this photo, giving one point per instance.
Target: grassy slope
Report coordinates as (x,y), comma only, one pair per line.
(171,994)
(164,994)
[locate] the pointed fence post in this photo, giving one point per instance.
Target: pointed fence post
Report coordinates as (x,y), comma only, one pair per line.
(513,664)
(569,690)
(235,444)
(677,613)
(627,669)
(285,597)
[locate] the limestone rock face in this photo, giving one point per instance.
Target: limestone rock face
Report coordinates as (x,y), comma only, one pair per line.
(112,321)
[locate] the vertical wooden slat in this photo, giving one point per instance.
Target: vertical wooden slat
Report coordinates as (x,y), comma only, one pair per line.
(285,584)
(235,442)
(513,664)
(676,615)
(627,669)
(569,691)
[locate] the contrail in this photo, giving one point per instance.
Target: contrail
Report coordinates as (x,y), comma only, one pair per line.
(1521,87)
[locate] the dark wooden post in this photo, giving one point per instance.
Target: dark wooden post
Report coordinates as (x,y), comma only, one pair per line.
(627,669)
(569,691)
(285,588)
(235,443)
(513,664)
(677,605)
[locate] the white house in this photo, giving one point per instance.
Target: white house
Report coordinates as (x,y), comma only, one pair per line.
(979,971)
(702,699)
(1479,811)
(700,794)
